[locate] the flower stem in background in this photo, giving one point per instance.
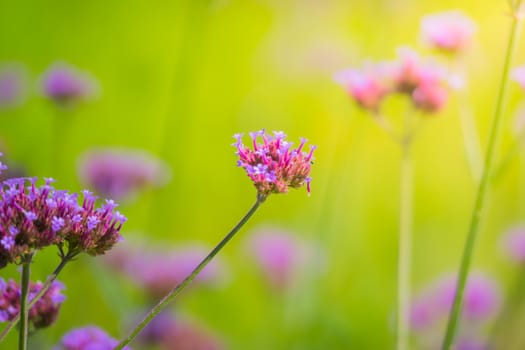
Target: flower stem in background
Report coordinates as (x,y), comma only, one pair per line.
(24,309)
(470,137)
(483,186)
(175,291)
(404,266)
(49,281)
(508,158)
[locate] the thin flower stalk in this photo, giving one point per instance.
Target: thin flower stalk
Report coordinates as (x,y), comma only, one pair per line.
(485,179)
(24,309)
(176,291)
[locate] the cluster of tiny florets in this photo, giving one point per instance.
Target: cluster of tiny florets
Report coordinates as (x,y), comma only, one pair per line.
(42,314)
(88,338)
(273,165)
(32,217)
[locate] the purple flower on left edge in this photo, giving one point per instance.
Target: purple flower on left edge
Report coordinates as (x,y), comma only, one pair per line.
(33,217)
(87,338)
(12,85)
(66,85)
(42,314)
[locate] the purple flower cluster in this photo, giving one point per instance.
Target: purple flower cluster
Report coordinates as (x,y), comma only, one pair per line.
(425,83)
(87,338)
(481,303)
(66,85)
(449,31)
(119,174)
(159,270)
(273,165)
(32,217)
(42,314)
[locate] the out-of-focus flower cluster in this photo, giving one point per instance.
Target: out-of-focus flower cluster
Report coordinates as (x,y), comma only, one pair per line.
(12,85)
(431,308)
(42,314)
(158,271)
(119,174)
(273,165)
(66,85)
(450,31)
(424,82)
(87,338)
(32,217)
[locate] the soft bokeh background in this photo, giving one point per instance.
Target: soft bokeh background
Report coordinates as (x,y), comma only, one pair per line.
(179,78)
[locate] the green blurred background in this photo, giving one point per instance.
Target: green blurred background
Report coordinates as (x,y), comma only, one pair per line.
(179,78)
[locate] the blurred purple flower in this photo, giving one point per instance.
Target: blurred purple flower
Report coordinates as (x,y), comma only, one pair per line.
(482,301)
(514,243)
(42,314)
(160,270)
(87,338)
(278,254)
(368,87)
(273,165)
(450,31)
(33,217)
(66,85)
(471,343)
(172,333)
(120,173)
(12,85)
(518,74)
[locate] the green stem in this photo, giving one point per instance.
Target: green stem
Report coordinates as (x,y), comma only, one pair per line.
(404,266)
(470,137)
(49,281)
(175,291)
(483,186)
(24,309)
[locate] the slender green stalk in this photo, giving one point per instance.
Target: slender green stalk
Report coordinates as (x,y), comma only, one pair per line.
(49,281)
(175,291)
(470,137)
(24,309)
(483,186)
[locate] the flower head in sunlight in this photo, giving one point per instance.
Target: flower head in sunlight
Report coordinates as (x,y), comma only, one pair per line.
(43,314)
(87,338)
(66,85)
(278,253)
(158,270)
(121,173)
(518,74)
(449,31)
(273,165)
(32,217)
(514,244)
(368,86)
(12,85)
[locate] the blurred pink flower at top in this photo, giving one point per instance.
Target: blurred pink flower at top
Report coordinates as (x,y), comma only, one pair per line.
(65,85)
(278,254)
(121,173)
(450,31)
(514,243)
(518,74)
(367,86)
(160,270)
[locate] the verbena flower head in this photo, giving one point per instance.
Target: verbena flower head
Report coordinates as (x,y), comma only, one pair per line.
(278,253)
(3,167)
(42,314)
(449,31)
(272,164)
(32,217)
(66,85)
(518,74)
(12,86)
(87,338)
(368,87)
(120,173)
(158,270)
(514,244)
